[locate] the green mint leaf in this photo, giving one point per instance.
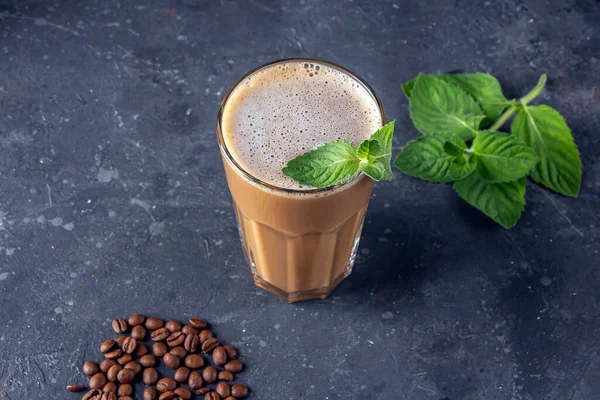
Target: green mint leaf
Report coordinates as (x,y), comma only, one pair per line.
(546,132)
(408,87)
(502,158)
(438,106)
(370,162)
(502,202)
(427,158)
(383,152)
(331,163)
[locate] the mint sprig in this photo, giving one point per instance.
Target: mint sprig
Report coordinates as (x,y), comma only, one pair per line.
(340,161)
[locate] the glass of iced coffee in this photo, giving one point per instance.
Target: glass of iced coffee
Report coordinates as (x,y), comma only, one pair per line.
(300,242)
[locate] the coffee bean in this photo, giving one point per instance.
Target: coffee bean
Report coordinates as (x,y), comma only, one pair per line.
(125,390)
(126,375)
(223,389)
(179,352)
(173,325)
(138,332)
(110,387)
(231,351)
(209,374)
(234,366)
(166,385)
(107,346)
(239,391)
(136,319)
(129,345)
(125,398)
(212,396)
(135,366)
(230,398)
(226,376)
(167,396)
(160,334)
(171,361)
(219,356)
(195,381)
(203,390)
(97,381)
(175,339)
(94,394)
(113,372)
(124,359)
(205,335)
(198,323)
(153,323)
(150,394)
(108,396)
(119,341)
(106,364)
(159,349)
(119,325)
(90,368)
(150,376)
(116,353)
(209,345)
(142,350)
(75,388)
(191,343)
(194,361)
(148,360)
(182,374)
(183,393)
(189,330)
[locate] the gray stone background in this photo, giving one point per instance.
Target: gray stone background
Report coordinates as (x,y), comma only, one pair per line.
(113,200)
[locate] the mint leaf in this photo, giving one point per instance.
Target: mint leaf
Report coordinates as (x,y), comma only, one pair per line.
(331,163)
(502,158)
(546,132)
(408,87)
(430,158)
(438,106)
(502,202)
(383,155)
(370,163)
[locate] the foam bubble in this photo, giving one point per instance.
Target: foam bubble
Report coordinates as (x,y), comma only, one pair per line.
(288,108)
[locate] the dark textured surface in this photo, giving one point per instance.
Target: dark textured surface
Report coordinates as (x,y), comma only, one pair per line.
(113,200)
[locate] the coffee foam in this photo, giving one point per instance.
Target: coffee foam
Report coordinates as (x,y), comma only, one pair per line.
(289,108)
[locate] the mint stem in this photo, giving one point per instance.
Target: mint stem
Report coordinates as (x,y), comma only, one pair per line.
(522,101)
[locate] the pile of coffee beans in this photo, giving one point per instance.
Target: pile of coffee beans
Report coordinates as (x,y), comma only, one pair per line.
(128,359)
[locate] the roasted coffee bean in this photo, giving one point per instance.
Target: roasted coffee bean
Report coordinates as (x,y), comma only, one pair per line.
(126,375)
(150,376)
(212,396)
(173,325)
(234,366)
(194,361)
(106,364)
(124,359)
(209,374)
(175,339)
(198,323)
(125,398)
(75,388)
(107,346)
(119,325)
(239,391)
(159,349)
(205,335)
(191,343)
(153,323)
(110,387)
(135,366)
(231,351)
(138,332)
(116,353)
(230,398)
(219,356)
(171,361)
(150,394)
(226,376)
(167,396)
(119,341)
(113,372)
(94,394)
(183,393)
(223,389)
(108,396)
(125,390)
(203,390)
(97,381)
(209,345)
(160,334)
(136,319)
(129,345)
(195,381)
(166,385)
(182,374)
(90,368)
(142,350)
(189,330)
(148,360)
(179,352)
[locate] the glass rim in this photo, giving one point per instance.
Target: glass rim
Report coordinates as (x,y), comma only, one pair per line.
(252,178)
